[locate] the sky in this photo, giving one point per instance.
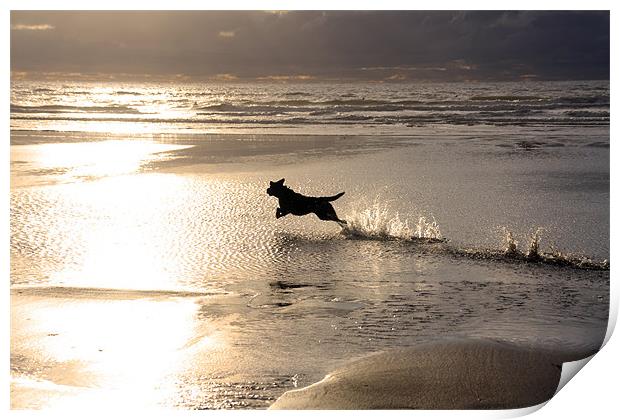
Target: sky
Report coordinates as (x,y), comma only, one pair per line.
(311,45)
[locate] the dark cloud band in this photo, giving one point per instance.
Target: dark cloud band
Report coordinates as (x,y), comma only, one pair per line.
(384,45)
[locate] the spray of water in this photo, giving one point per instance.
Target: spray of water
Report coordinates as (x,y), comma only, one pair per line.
(377,221)
(511,247)
(426,229)
(534,253)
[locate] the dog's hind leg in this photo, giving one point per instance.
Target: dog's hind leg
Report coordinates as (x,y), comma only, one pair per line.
(329,214)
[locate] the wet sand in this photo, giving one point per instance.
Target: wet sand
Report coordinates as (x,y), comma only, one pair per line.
(75,347)
(452,374)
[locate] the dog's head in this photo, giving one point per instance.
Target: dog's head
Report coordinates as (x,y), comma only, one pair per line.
(276,188)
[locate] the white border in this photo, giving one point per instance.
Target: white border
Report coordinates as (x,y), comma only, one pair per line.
(309,5)
(592,394)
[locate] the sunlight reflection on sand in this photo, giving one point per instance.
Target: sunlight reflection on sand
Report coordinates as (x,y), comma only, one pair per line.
(84,352)
(65,162)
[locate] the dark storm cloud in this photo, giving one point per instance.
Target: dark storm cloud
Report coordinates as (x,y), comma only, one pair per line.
(392,45)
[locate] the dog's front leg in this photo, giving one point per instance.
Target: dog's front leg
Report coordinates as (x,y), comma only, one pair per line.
(280,213)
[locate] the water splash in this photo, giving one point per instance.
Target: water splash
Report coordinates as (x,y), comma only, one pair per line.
(557,257)
(511,244)
(533,250)
(427,230)
(379,222)
(534,254)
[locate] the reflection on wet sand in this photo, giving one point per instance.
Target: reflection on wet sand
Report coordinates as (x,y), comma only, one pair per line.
(78,353)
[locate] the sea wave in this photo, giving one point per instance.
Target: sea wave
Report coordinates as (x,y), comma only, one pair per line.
(59,109)
(128,92)
(279,119)
(398,106)
(318,108)
(507,98)
(588,114)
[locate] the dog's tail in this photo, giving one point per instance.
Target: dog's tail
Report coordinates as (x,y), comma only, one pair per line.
(333,197)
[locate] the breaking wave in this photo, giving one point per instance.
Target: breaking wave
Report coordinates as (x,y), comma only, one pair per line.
(59,109)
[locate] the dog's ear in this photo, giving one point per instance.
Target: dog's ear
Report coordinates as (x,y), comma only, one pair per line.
(271,183)
(281,182)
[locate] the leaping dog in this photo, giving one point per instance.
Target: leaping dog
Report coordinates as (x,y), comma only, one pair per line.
(291,202)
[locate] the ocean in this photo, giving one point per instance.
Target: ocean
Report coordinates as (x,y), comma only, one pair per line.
(146,255)
(310,108)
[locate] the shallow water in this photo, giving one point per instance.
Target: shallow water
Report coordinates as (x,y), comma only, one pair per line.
(281,302)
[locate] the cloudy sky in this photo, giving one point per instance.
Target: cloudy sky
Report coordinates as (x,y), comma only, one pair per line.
(349,45)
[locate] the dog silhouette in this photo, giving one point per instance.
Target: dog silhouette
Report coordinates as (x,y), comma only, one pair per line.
(291,202)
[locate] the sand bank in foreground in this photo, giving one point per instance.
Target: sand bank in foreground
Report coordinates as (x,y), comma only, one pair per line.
(455,374)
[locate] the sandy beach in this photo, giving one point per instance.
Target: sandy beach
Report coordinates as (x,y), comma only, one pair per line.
(448,374)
